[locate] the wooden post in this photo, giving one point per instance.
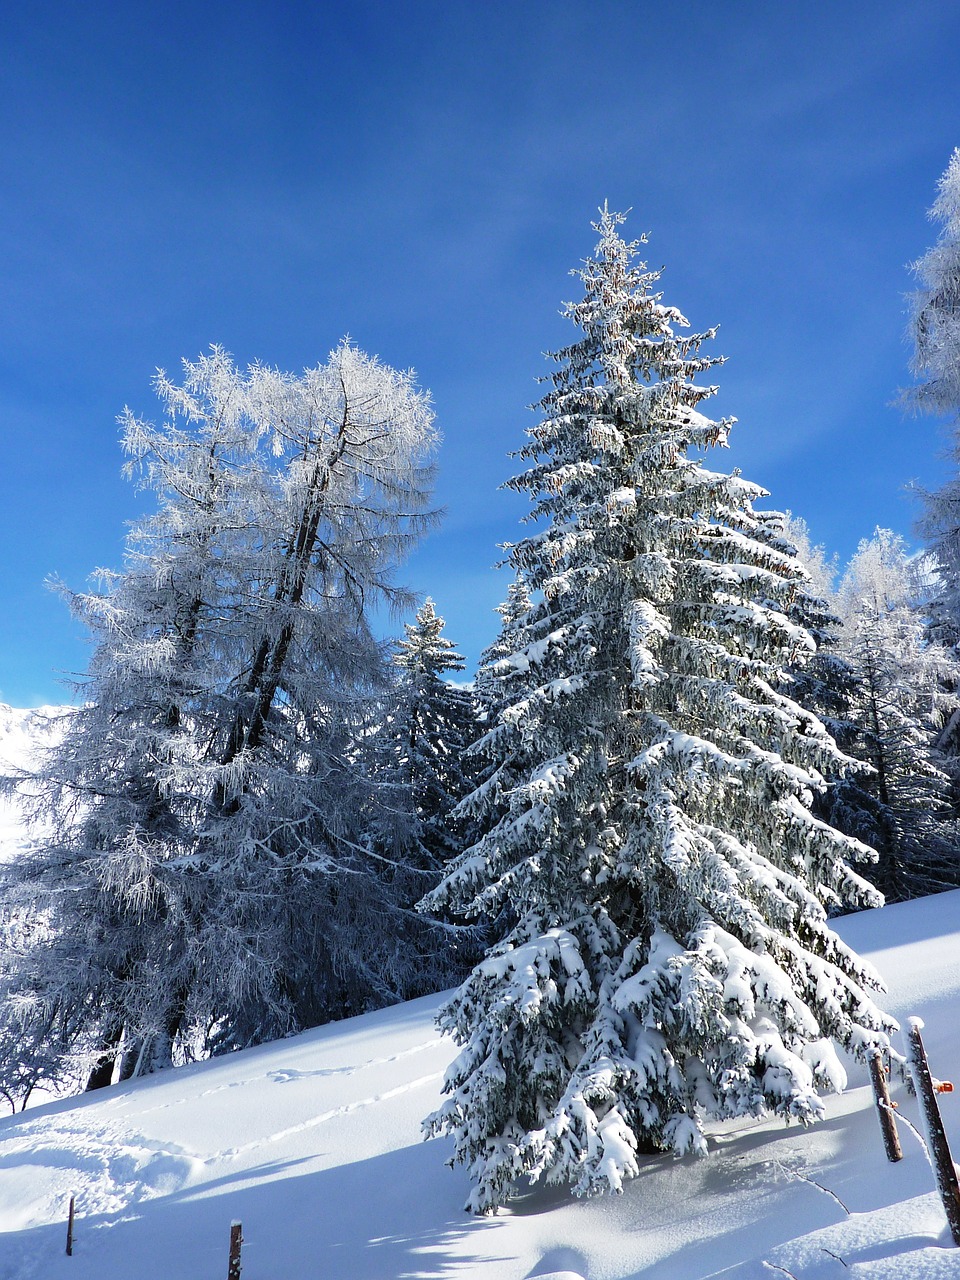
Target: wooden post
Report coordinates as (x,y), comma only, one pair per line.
(236,1240)
(944,1167)
(888,1123)
(73,1201)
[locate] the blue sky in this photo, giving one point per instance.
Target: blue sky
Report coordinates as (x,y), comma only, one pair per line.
(423,176)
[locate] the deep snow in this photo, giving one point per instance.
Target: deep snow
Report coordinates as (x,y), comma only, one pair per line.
(313,1143)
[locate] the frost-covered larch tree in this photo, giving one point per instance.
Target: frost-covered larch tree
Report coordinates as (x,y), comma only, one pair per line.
(204,884)
(935,329)
(119,798)
(296,940)
(900,705)
(670,958)
(936,306)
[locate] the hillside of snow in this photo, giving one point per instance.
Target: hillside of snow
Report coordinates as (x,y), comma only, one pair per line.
(314,1144)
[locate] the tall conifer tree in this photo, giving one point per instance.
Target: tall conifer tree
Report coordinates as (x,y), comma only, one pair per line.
(668,957)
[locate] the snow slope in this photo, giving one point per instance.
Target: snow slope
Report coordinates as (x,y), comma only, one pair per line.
(313,1143)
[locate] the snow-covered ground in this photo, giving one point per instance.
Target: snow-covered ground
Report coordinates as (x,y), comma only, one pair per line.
(314,1144)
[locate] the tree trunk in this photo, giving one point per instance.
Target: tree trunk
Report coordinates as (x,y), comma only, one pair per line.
(102,1073)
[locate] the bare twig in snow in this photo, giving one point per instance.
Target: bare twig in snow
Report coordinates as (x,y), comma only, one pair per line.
(783,1270)
(802,1177)
(833,1255)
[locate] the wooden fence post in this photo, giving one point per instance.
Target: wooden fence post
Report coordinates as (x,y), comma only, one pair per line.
(73,1200)
(236,1240)
(944,1167)
(881,1092)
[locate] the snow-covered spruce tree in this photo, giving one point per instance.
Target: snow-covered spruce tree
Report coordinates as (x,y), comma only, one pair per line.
(205,881)
(935,329)
(418,758)
(900,704)
(670,958)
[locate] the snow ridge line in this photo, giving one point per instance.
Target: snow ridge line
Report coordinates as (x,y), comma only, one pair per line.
(324,1116)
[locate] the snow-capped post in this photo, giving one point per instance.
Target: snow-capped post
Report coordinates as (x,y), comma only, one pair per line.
(236,1241)
(945,1170)
(73,1201)
(888,1123)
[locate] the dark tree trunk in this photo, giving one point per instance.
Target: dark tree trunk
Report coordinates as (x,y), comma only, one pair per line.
(102,1073)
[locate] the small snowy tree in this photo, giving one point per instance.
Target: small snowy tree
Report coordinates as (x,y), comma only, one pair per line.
(205,882)
(418,760)
(669,957)
(432,727)
(900,703)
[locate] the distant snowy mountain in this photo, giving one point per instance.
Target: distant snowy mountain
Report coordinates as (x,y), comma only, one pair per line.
(313,1143)
(22,733)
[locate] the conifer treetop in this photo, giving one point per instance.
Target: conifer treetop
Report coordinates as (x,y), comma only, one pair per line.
(424,649)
